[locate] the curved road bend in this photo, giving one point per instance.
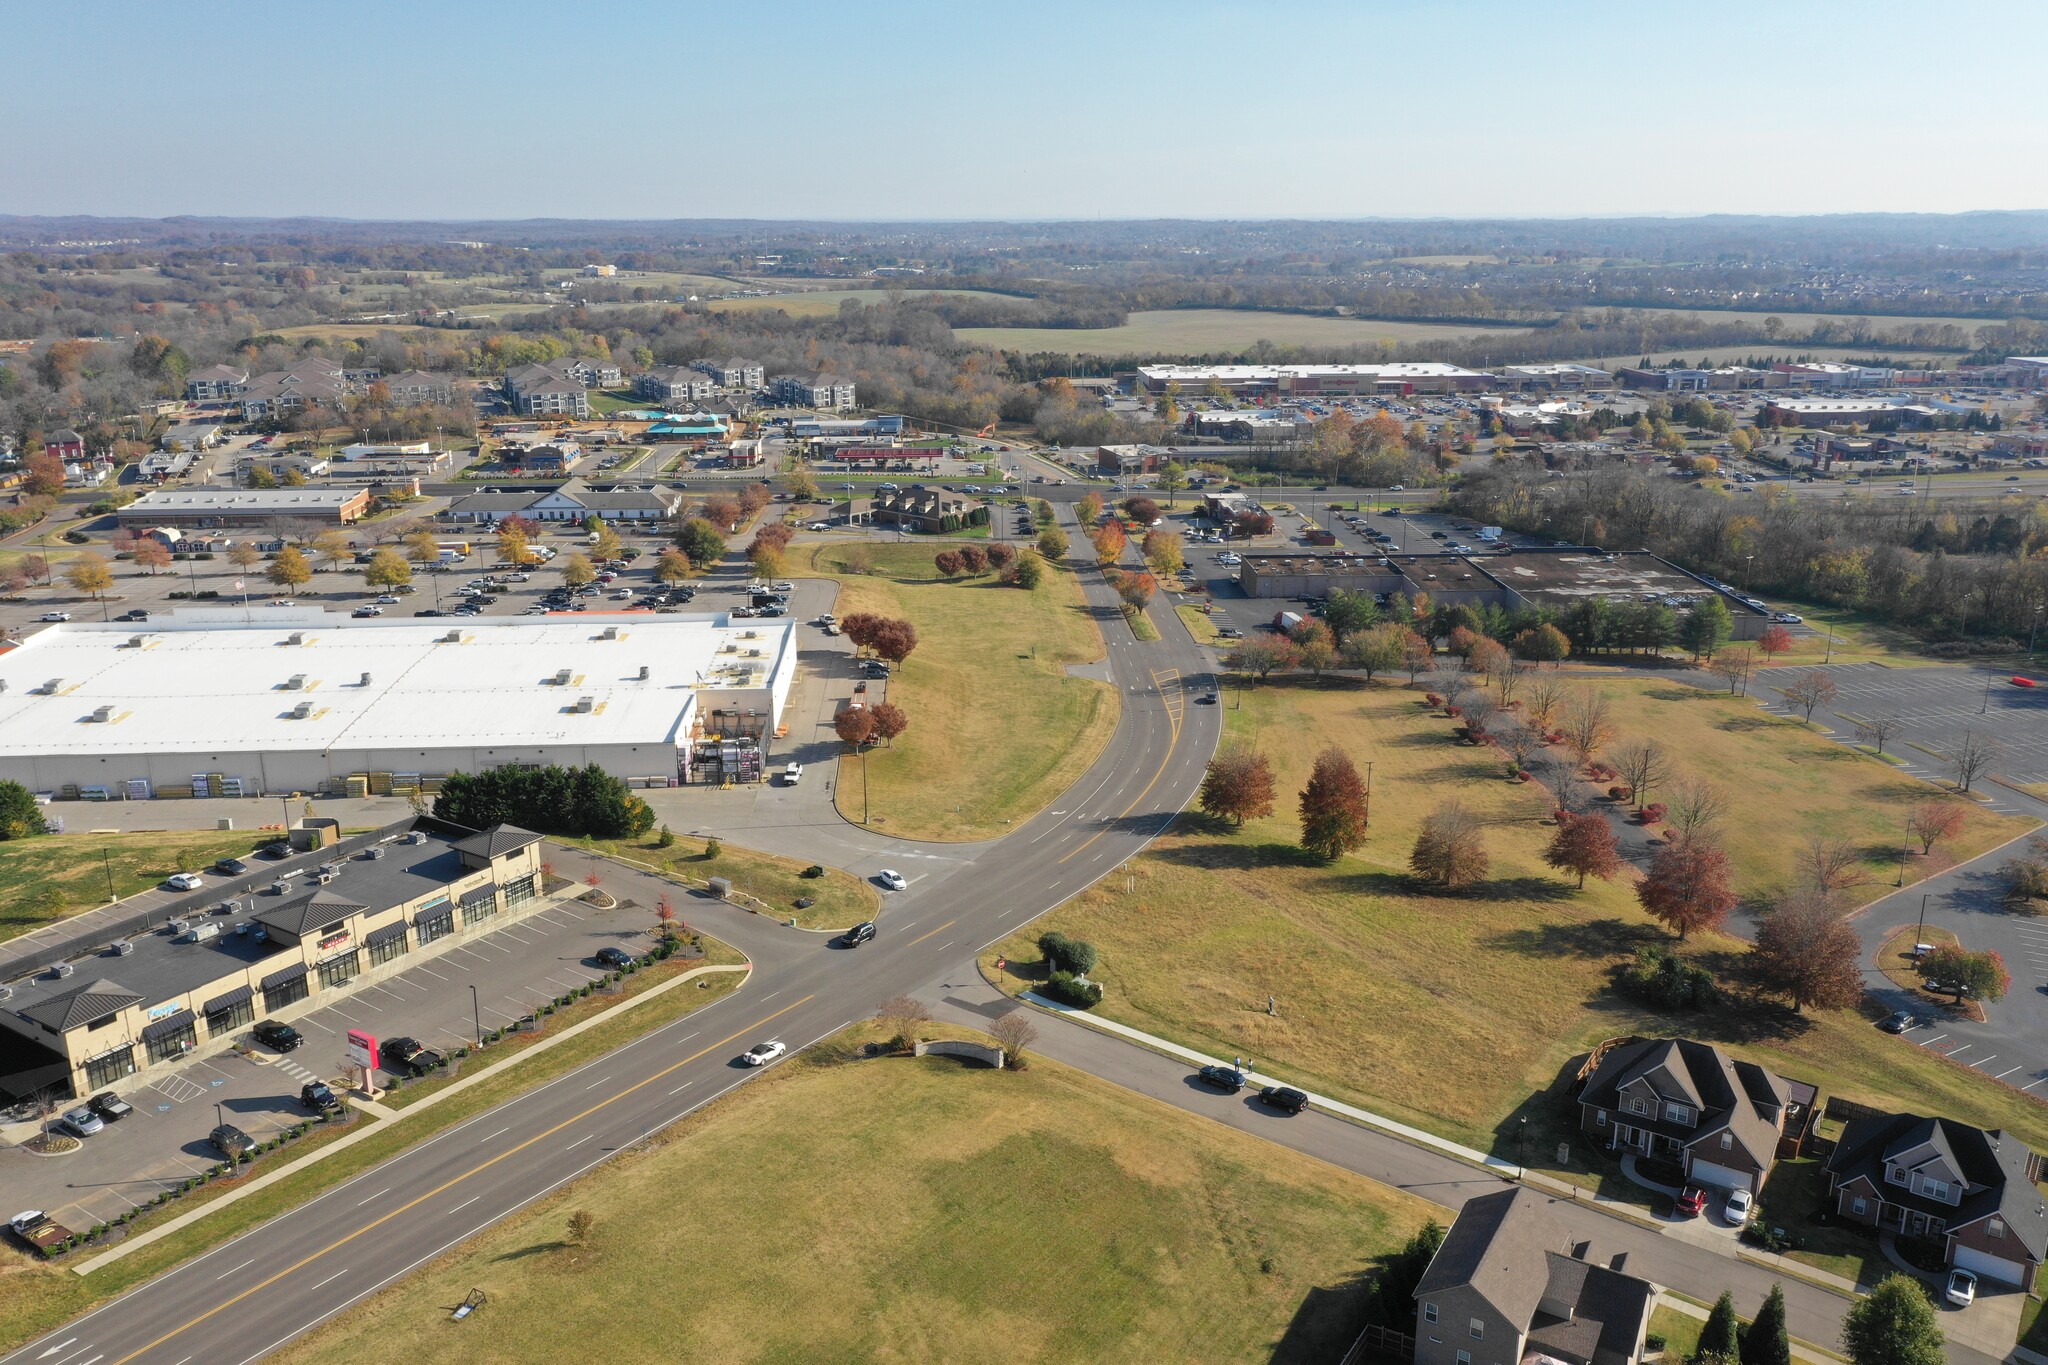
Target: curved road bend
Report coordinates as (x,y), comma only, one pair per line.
(244,1299)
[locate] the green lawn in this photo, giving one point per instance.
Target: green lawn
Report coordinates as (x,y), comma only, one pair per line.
(1784,782)
(1681,1331)
(917,1210)
(1199,330)
(1199,623)
(842,899)
(997,728)
(47,878)
(1457,1013)
(1795,1190)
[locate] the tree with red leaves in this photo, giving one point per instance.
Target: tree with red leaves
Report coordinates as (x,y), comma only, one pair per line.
(1000,555)
(889,721)
(1774,641)
(895,640)
(1933,821)
(1238,785)
(1807,952)
(1584,844)
(949,563)
(1333,806)
(1688,887)
(854,725)
(975,559)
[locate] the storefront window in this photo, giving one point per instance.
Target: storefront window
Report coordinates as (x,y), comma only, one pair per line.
(109,1067)
(238,1015)
(338,971)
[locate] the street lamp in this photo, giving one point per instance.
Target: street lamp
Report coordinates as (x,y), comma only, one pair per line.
(476,1015)
(107,864)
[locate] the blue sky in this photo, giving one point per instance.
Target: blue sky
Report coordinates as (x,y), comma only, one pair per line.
(1042,110)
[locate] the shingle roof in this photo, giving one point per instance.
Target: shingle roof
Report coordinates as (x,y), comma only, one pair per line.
(1497,1246)
(1996,1164)
(93,1000)
(315,908)
(1739,1096)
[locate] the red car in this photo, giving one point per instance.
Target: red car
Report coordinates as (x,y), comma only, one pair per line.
(2024,682)
(1692,1201)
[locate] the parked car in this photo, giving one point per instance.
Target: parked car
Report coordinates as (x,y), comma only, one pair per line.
(110,1106)
(1285,1098)
(80,1122)
(319,1097)
(230,1141)
(1222,1077)
(760,1054)
(614,957)
(1692,1201)
(1962,1288)
(858,934)
(230,867)
(1737,1209)
(55,616)
(281,1037)
(1900,1022)
(38,1229)
(892,879)
(184,881)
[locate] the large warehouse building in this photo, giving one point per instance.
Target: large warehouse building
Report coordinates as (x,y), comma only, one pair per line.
(238,701)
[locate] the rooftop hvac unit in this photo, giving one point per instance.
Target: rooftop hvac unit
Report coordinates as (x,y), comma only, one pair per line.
(6,992)
(748,635)
(753,654)
(177,926)
(295,683)
(418,836)
(377,852)
(584,705)
(53,687)
(453,637)
(123,948)
(281,886)
(326,877)
(562,676)
(365,681)
(135,641)
(297,637)
(302,710)
(103,713)
(62,969)
(610,633)
(643,673)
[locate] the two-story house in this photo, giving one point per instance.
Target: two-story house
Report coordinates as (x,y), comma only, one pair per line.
(1692,1104)
(1978,1191)
(1510,1284)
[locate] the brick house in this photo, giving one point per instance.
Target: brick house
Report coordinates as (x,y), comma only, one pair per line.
(64,444)
(1690,1103)
(1934,1177)
(1510,1284)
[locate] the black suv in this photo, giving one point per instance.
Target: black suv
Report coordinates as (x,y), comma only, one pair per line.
(319,1097)
(231,1141)
(858,934)
(408,1055)
(1222,1077)
(282,1037)
(614,957)
(231,867)
(1285,1098)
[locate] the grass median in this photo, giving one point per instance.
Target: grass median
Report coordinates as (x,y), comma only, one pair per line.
(1457,1013)
(839,899)
(997,727)
(36,1297)
(916,1209)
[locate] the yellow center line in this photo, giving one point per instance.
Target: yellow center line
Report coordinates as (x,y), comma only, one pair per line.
(450,1183)
(922,937)
(1172,742)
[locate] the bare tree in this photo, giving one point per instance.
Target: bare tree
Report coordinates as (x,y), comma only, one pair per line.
(904,1017)
(1454,685)
(1810,691)
(1830,865)
(1642,764)
(1972,756)
(1738,666)
(1543,699)
(1480,711)
(1875,730)
(1587,722)
(1518,739)
(1015,1032)
(1696,807)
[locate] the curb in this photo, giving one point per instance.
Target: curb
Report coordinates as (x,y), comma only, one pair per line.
(270,1177)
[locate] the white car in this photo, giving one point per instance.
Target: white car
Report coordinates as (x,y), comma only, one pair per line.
(282,602)
(760,1054)
(387,600)
(1736,1211)
(1962,1288)
(1788,618)
(184,881)
(55,616)
(892,879)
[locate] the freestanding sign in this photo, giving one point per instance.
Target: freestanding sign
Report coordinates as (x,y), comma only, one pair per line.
(362,1051)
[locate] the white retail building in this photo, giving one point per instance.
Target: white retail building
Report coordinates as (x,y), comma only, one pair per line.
(266,700)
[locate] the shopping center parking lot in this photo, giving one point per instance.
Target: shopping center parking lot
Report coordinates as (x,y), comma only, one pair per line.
(513,968)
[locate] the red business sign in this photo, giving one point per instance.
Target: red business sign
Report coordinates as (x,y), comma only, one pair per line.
(362,1049)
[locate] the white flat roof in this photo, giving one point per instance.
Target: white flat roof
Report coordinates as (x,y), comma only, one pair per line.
(1400,369)
(215,680)
(279,500)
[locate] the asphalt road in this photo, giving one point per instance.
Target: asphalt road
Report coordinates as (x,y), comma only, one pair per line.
(246,1298)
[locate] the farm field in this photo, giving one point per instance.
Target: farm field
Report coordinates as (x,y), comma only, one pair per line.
(1735,355)
(47,878)
(823,302)
(1459,1012)
(997,728)
(1199,330)
(1803,322)
(920,1210)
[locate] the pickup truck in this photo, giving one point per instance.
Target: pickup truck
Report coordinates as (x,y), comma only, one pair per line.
(792,774)
(39,1230)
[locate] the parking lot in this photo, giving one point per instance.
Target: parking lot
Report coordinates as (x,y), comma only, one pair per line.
(512,969)
(1936,705)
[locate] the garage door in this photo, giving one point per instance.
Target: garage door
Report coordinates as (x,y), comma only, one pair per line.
(1991,1267)
(1723,1177)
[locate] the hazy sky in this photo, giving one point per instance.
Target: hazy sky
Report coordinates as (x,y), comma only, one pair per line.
(901,109)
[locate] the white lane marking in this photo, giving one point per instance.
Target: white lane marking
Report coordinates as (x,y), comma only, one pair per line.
(331,1278)
(596,1083)
(579,1142)
(681,1088)
(465,1203)
(58,1347)
(243,1266)
(1924,1042)
(501,1132)
(378,1195)
(436,975)
(2007,1072)
(943,946)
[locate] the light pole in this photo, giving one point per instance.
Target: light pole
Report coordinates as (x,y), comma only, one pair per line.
(107,864)
(476,1016)
(1921,928)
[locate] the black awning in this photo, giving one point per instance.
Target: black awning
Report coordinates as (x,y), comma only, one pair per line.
(230,1000)
(442,911)
(480,895)
(180,1022)
(285,977)
(386,934)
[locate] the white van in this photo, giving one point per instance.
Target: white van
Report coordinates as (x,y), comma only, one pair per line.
(792,774)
